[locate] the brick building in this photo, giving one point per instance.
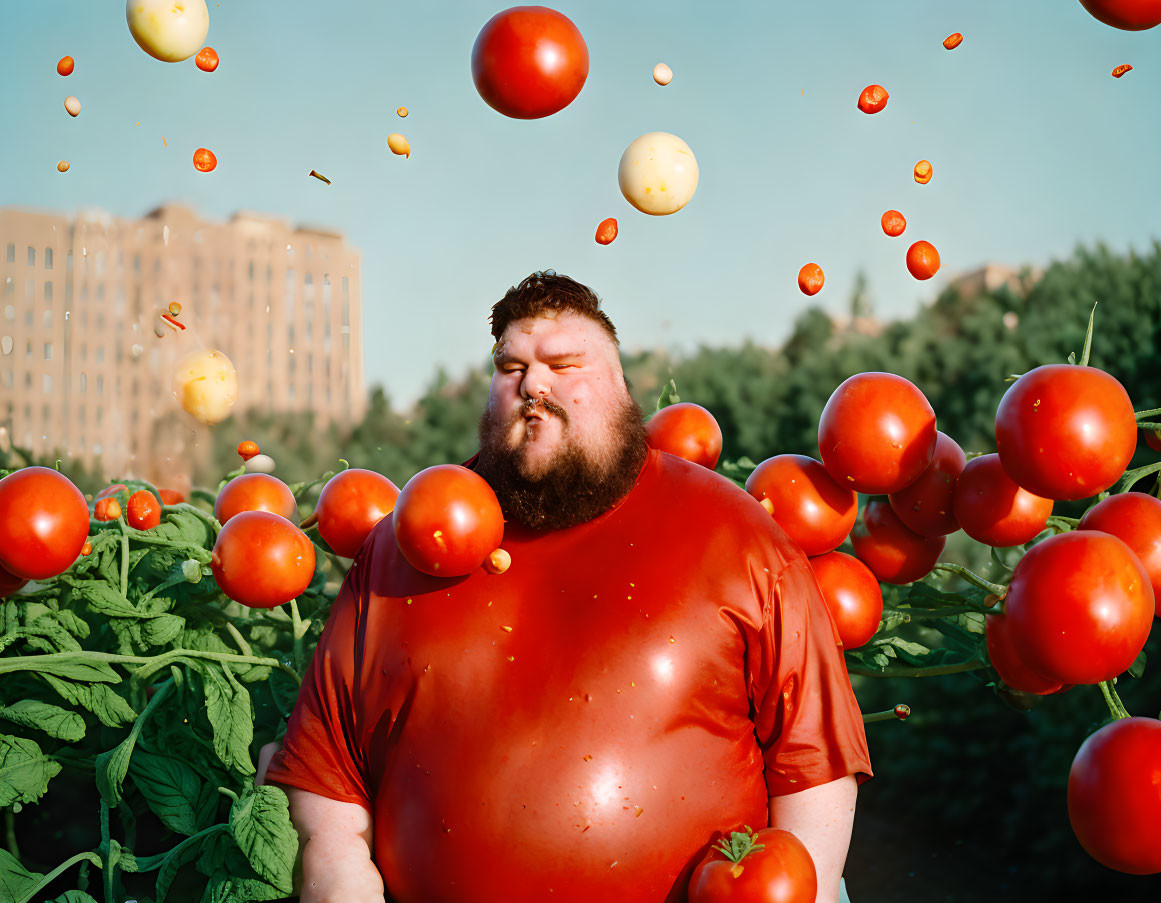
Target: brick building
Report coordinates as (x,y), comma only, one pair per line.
(82,372)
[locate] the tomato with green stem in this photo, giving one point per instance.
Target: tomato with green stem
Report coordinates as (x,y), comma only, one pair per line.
(687,430)
(44,521)
(262,560)
(765,866)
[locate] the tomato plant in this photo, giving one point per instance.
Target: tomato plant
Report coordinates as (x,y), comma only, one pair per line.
(1130,15)
(876,433)
(1065,431)
(255,492)
(529,62)
(1114,795)
(808,504)
(1134,518)
(447,521)
(765,866)
(1079,607)
(991,508)
(349,506)
(852,594)
(1153,439)
(43,522)
(926,506)
(893,553)
(688,431)
(262,560)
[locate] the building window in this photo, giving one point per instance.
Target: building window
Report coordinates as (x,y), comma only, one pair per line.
(10,313)
(47,386)
(97,447)
(28,348)
(84,386)
(48,258)
(28,318)
(136,263)
(31,256)
(9,287)
(100,357)
(69,260)
(47,292)
(100,291)
(6,344)
(11,252)
(100,391)
(29,290)
(47,319)
(48,351)
(8,385)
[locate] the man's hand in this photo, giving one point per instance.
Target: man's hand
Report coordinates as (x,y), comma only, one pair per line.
(336,847)
(822,818)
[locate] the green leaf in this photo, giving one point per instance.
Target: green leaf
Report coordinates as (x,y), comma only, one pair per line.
(668,395)
(260,823)
(79,666)
(284,691)
(1087,339)
(53,720)
(100,598)
(99,699)
(162,630)
(1138,667)
(16,882)
(232,718)
(228,889)
(112,766)
(74,896)
(177,794)
(24,770)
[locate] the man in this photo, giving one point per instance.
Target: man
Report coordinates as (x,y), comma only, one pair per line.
(656,665)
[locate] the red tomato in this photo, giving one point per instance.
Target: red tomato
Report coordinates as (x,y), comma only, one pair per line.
(171,496)
(107,509)
(350,505)
(816,511)
(10,583)
(1114,795)
(247,449)
(781,872)
(992,509)
(922,260)
(144,510)
(1131,15)
(447,520)
(255,492)
(262,560)
(852,594)
(811,279)
(65,66)
(1135,519)
(925,506)
(529,62)
(207,59)
(892,552)
(873,98)
(894,223)
(877,433)
(1153,439)
(688,431)
(44,521)
(1080,607)
(606,231)
(1008,663)
(1065,431)
(204,159)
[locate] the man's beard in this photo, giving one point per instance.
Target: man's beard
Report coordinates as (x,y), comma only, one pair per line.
(577,485)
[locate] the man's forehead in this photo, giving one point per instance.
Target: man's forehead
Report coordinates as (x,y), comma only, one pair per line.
(554,332)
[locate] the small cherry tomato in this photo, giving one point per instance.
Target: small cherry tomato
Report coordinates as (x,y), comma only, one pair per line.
(207,59)
(892,552)
(107,509)
(171,496)
(923,172)
(204,160)
(953,40)
(852,594)
(65,66)
(606,231)
(62,166)
(687,430)
(926,506)
(1153,439)
(993,509)
(247,449)
(873,98)
(144,510)
(765,866)
(893,223)
(87,548)
(810,279)
(922,260)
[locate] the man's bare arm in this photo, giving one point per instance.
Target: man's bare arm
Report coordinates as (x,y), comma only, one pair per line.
(822,818)
(335,839)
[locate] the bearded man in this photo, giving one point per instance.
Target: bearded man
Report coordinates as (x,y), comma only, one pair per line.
(657,665)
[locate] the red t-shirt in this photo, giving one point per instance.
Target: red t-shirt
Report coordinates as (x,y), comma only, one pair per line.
(583,723)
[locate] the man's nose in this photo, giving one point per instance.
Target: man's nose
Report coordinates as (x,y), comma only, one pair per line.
(536,383)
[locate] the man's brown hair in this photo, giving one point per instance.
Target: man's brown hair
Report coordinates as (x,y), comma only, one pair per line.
(549,291)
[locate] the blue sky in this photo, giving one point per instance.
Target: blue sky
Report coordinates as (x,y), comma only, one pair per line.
(1036,149)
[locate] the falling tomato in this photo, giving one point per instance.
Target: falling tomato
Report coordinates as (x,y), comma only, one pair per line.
(607,231)
(922,260)
(873,98)
(810,279)
(529,62)
(923,172)
(1121,70)
(953,40)
(894,223)
(207,59)
(65,66)
(204,160)
(1130,15)
(63,166)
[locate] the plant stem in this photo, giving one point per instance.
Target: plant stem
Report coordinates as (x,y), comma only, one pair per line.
(1145,415)
(226,791)
(52,876)
(10,831)
(299,632)
(888,715)
(1113,701)
(239,639)
(932,671)
(124,559)
(149,663)
(931,614)
(975,579)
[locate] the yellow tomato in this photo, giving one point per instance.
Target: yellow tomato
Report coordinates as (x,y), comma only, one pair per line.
(168,30)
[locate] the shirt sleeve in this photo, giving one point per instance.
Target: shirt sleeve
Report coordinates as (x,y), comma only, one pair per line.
(807,721)
(321,750)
